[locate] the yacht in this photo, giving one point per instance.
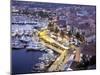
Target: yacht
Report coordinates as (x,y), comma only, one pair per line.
(17,45)
(32,46)
(25,39)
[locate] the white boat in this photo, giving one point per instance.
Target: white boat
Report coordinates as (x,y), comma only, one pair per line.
(25,39)
(39,67)
(33,46)
(17,45)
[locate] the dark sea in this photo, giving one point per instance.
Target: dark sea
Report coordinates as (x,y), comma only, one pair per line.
(23,60)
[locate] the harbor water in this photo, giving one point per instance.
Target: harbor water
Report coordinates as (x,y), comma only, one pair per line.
(23,60)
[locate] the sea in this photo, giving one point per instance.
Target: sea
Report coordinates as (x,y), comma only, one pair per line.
(23,60)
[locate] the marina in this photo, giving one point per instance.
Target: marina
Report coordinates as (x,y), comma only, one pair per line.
(49,38)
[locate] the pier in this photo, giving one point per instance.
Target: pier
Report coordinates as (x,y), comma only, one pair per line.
(61,60)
